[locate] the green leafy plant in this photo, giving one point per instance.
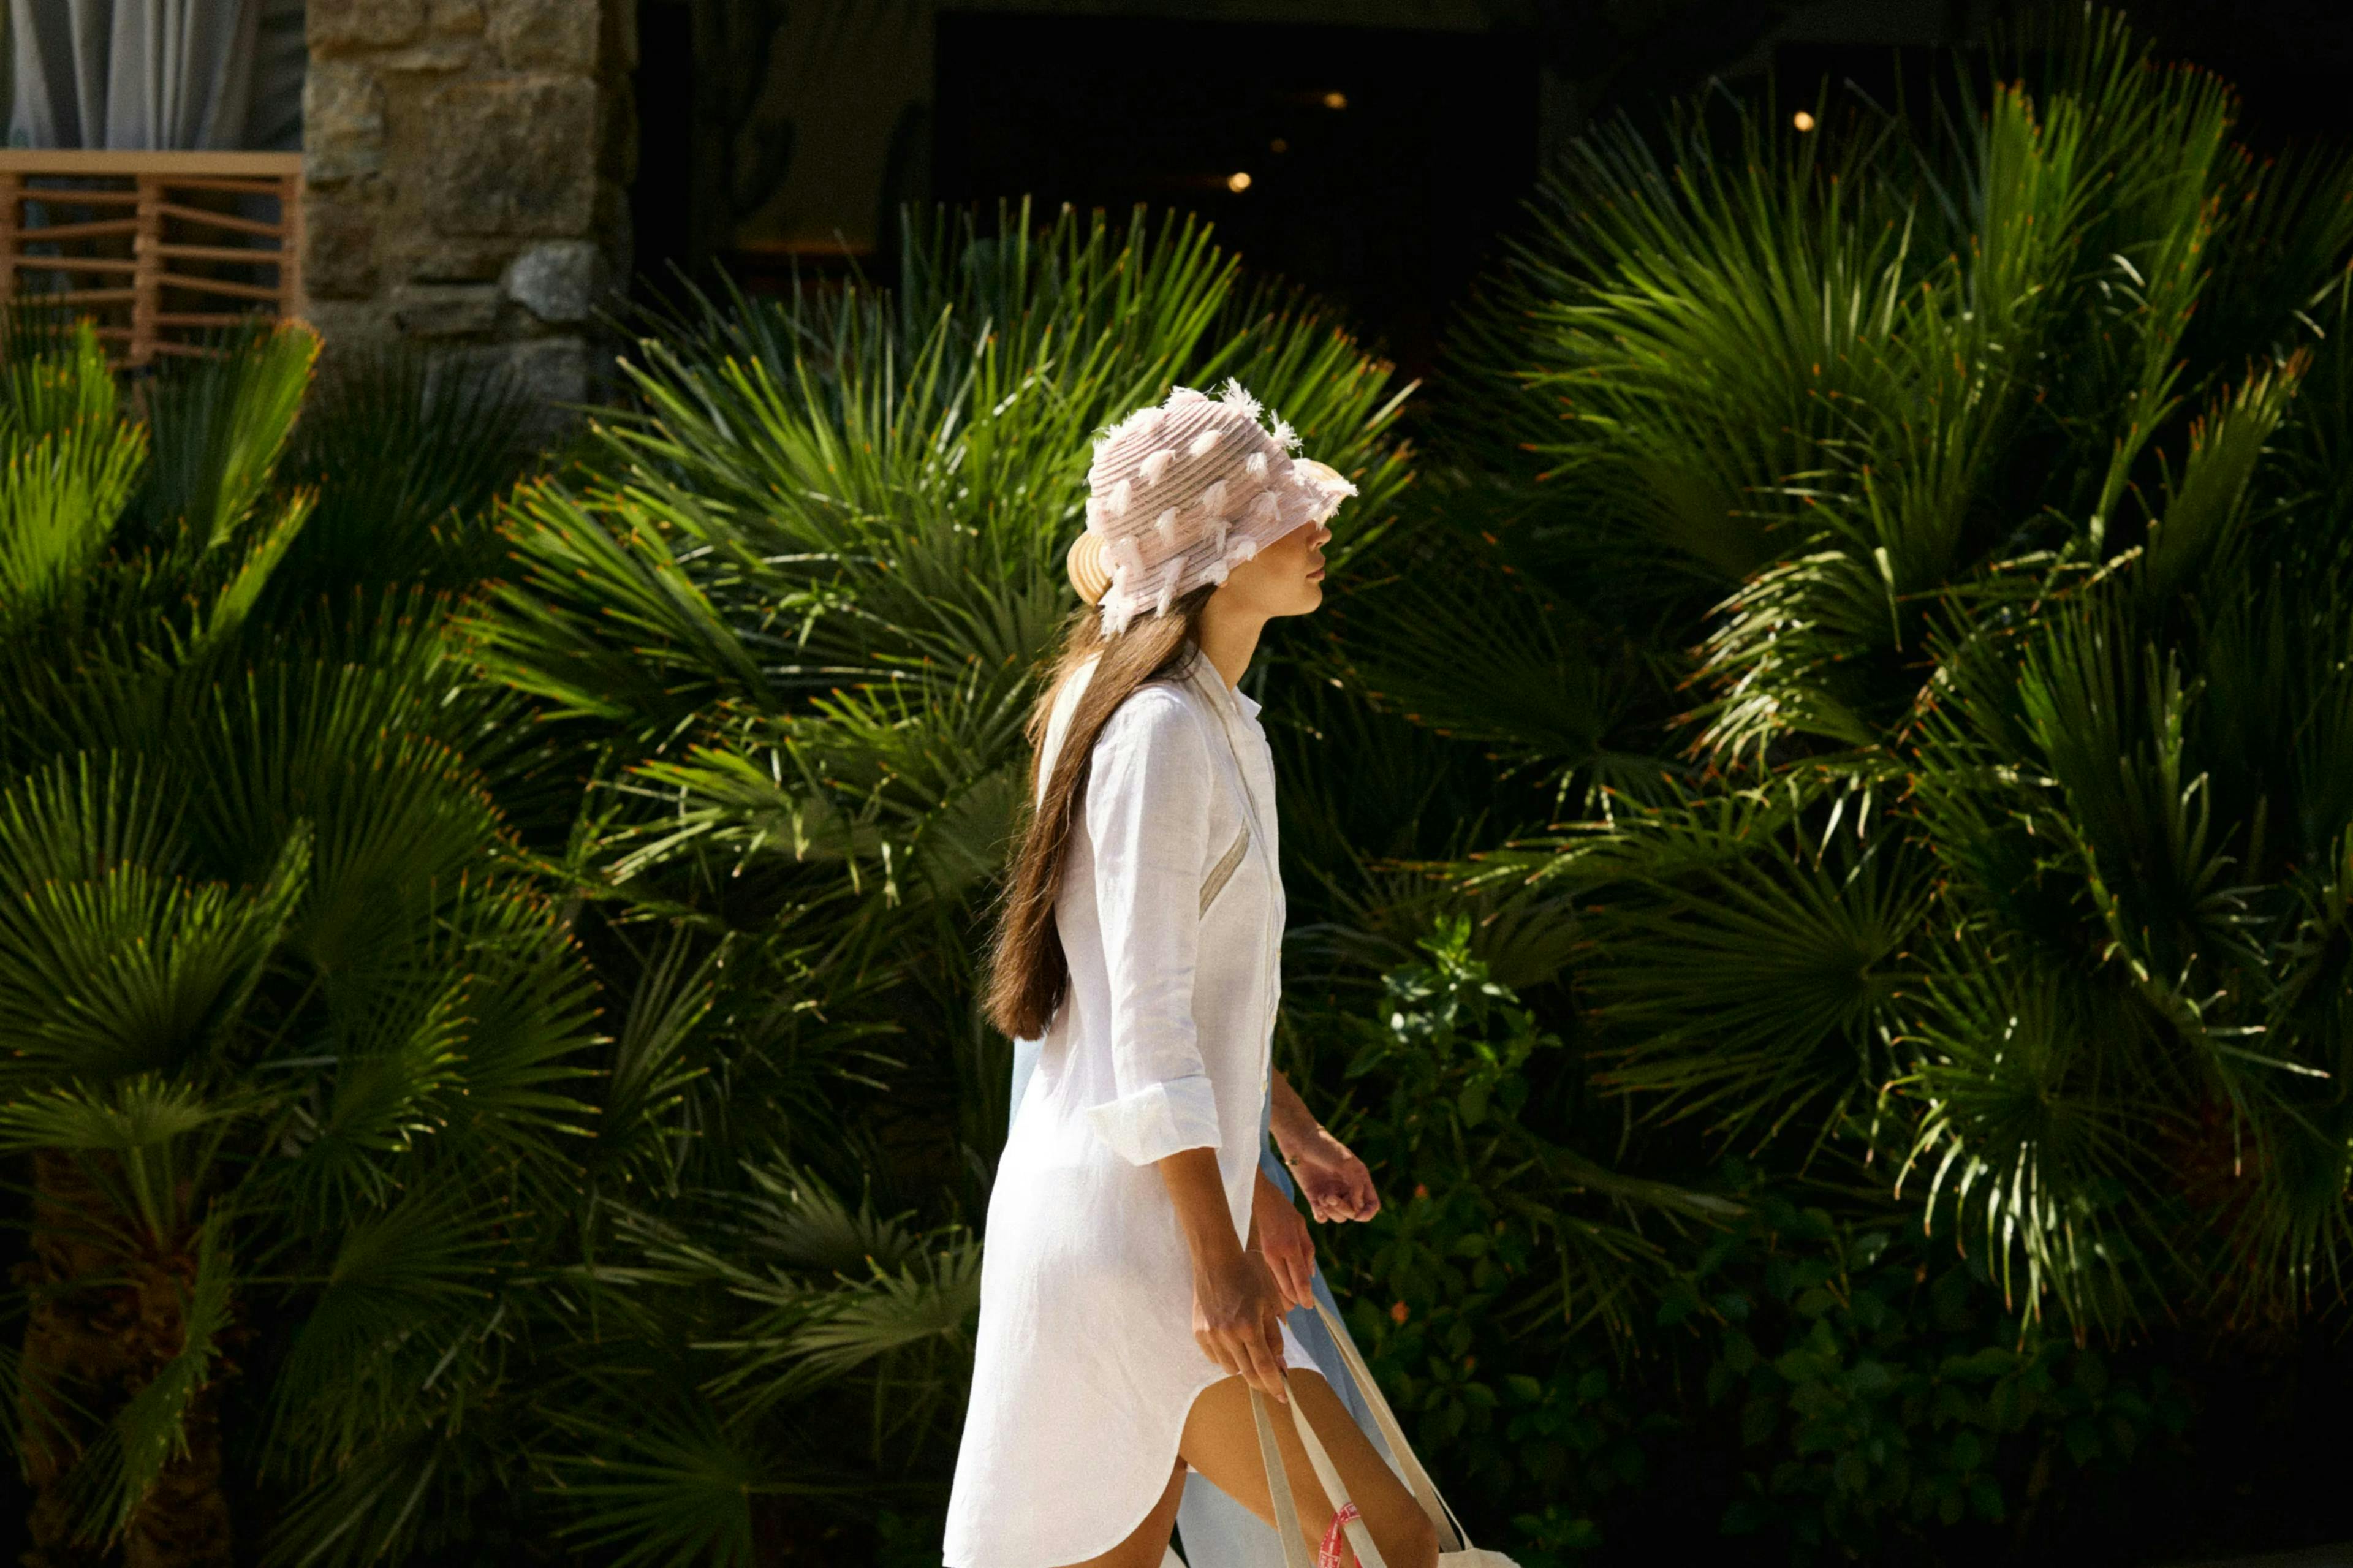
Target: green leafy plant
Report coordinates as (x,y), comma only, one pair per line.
(293,1050)
(1494,1246)
(1880,1393)
(1905,552)
(1965,487)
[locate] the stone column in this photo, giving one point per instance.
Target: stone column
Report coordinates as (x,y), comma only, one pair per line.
(466,170)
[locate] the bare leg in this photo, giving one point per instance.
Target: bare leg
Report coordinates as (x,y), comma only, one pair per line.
(1222,1442)
(1149,1546)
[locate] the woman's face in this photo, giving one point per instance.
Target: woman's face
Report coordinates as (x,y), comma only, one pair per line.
(1284,578)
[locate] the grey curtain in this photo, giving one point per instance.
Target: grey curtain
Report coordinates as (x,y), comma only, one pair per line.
(133,73)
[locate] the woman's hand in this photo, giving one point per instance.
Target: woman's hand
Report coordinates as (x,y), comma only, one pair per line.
(1279,1234)
(1333,1180)
(1237,1309)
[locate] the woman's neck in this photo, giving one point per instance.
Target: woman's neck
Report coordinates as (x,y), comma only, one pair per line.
(1228,641)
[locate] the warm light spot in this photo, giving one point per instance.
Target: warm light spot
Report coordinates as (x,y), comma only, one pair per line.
(1397,1313)
(1278,145)
(1336,100)
(1802,121)
(1237,181)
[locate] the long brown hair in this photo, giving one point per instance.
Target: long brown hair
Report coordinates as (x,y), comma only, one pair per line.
(1028,970)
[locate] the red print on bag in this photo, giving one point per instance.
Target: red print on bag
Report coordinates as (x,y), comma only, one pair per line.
(1329,1556)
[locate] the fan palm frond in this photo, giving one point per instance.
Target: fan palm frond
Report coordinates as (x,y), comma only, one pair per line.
(220,423)
(676,1489)
(406,462)
(122,968)
(2036,1132)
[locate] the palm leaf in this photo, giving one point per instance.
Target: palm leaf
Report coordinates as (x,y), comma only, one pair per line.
(221,422)
(122,967)
(675,1490)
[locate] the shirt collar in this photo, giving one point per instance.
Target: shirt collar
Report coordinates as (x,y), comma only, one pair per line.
(1215,685)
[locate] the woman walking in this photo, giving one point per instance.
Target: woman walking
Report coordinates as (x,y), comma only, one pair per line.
(1297,1154)
(1125,1311)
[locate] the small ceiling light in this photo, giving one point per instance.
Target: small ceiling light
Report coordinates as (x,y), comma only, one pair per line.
(1238,180)
(1802,121)
(1336,100)
(1278,145)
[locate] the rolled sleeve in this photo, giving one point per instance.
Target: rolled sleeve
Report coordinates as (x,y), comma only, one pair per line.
(1147,812)
(1159,1119)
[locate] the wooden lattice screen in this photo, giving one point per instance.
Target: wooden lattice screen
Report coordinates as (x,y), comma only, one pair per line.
(158,246)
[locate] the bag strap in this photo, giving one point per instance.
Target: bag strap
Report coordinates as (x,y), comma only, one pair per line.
(1278,1486)
(1451,1536)
(1327,1475)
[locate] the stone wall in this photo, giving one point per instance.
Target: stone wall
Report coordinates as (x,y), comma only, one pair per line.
(467,166)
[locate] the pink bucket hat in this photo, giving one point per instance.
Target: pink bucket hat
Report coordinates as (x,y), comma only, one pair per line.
(1179,493)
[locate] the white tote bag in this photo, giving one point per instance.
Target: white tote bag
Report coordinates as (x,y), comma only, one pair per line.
(1454,1548)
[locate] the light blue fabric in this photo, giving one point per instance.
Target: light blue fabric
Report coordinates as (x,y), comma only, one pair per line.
(1215,1530)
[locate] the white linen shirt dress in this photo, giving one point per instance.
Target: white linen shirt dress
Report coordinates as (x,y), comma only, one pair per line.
(1085,1365)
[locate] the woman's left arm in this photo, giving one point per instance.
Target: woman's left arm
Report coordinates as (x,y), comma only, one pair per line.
(1330,1176)
(1278,1235)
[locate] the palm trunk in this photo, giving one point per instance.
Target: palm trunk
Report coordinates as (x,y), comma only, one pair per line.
(101,1324)
(184,1521)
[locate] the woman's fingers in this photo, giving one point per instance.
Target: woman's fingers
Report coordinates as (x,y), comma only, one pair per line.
(1289,1257)
(1303,1281)
(1292,1277)
(1363,1200)
(1238,1311)
(1252,1354)
(1265,1371)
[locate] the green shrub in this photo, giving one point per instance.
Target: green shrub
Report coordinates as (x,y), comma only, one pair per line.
(1883,1391)
(294,1055)
(1974,495)
(1465,1288)
(1861,1383)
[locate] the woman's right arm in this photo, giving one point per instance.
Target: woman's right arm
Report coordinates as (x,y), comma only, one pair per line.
(1237,1305)
(1147,815)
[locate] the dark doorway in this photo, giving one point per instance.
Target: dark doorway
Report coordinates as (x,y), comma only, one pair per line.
(661,200)
(1373,165)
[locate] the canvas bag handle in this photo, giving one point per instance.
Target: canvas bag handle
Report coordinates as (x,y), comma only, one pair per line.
(1278,1486)
(1451,1536)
